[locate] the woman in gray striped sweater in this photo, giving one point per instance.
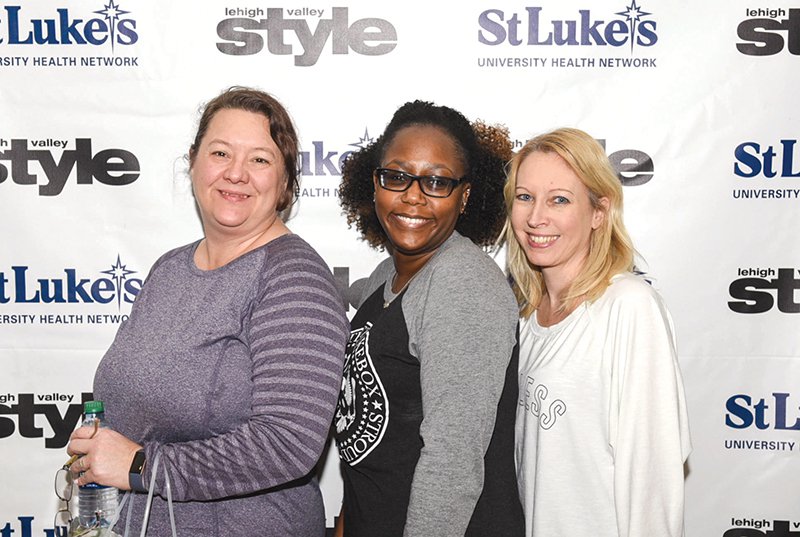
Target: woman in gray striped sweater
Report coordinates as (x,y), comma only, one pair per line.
(230,364)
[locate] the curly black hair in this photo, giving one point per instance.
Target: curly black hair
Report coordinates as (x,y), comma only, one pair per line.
(483,149)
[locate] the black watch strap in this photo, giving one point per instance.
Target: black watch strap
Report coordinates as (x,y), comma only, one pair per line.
(136,473)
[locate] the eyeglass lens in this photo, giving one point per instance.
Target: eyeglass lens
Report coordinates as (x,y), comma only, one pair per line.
(63,523)
(432,185)
(63,484)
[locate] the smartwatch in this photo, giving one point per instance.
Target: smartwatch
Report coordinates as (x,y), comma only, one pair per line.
(135,474)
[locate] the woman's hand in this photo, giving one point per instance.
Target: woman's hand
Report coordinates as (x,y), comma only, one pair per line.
(339,528)
(105,457)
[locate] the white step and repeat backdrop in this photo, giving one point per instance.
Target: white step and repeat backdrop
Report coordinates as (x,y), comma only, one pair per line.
(696,103)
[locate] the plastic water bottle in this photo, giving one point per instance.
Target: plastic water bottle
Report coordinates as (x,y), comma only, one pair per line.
(97,504)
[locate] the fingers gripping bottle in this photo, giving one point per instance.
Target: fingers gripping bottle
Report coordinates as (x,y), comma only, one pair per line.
(97,504)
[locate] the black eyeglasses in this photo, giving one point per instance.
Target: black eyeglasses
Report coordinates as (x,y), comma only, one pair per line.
(434,186)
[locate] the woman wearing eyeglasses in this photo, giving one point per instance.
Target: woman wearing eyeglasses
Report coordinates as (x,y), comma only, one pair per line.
(424,423)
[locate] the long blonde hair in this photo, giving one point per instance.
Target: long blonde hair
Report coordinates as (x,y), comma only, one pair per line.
(610,250)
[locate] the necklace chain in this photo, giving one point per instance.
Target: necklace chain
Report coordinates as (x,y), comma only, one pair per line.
(386,303)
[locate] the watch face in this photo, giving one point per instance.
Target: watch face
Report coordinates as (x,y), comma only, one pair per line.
(135,473)
(138,462)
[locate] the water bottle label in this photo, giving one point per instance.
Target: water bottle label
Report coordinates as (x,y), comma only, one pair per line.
(93,486)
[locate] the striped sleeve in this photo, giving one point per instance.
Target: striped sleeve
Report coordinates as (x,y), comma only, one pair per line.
(298,330)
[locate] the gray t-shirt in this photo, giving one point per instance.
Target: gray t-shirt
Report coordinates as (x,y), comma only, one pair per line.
(232,376)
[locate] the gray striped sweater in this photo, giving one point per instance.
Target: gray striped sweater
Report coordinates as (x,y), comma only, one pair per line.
(232,375)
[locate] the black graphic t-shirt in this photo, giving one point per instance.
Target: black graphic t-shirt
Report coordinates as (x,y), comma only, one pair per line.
(378,432)
(377,421)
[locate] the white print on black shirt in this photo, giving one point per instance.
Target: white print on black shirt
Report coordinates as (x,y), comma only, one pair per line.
(363,411)
(533,401)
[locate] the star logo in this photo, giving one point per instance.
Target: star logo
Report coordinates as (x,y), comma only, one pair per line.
(119,273)
(633,15)
(364,141)
(112,13)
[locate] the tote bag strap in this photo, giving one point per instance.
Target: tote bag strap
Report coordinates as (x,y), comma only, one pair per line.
(149,502)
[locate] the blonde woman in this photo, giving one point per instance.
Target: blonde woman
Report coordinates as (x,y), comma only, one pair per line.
(602,430)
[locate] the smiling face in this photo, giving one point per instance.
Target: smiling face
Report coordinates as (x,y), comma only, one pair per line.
(552,215)
(416,224)
(238,175)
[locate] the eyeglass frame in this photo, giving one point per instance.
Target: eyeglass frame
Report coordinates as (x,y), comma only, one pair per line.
(377,174)
(66,498)
(72,521)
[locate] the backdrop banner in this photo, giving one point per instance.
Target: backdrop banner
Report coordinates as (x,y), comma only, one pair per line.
(692,101)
